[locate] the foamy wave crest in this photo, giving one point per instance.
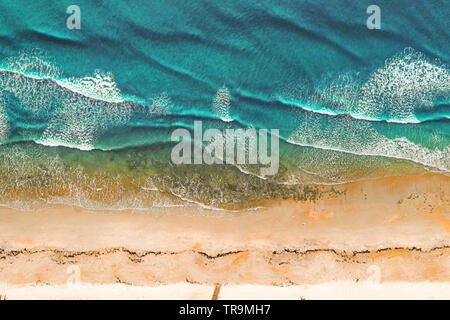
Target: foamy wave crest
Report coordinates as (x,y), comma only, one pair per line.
(74,120)
(34,63)
(3,122)
(222,103)
(99,85)
(72,127)
(357,137)
(76,111)
(78,125)
(160,104)
(407,85)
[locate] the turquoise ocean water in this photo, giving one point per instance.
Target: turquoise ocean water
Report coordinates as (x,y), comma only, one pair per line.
(86,115)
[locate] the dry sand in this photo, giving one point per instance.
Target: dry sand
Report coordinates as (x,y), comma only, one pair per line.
(341,290)
(391,232)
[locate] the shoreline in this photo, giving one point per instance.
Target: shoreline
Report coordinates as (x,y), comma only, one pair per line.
(395,229)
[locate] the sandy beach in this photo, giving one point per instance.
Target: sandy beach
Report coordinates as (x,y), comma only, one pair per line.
(224,150)
(393,233)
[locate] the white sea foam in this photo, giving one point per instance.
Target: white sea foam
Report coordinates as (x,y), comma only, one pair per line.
(100,85)
(222,104)
(79,124)
(4,126)
(160,104)
(360,138)
(407,83)
(34,63)
(79,109)
(73,126)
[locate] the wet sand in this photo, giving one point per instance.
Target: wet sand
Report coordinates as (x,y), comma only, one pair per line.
(390,231)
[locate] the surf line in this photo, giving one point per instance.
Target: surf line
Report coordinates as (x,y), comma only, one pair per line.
(239,147)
